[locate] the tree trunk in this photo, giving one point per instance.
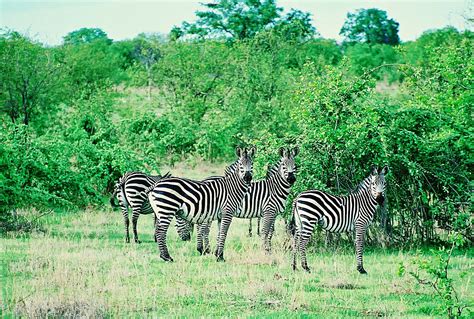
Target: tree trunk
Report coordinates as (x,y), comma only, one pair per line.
(148,71)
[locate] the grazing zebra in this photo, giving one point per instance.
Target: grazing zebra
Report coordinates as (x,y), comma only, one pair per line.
(129,191)
(337,214)
(199,202)
(266,198)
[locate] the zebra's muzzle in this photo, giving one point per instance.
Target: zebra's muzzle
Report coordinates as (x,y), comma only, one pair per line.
(291,178)
(380,199)
(248,177)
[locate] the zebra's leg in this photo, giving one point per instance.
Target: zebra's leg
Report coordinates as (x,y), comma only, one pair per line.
(250,227)
(135,215)
(155,220)
(199,245)
(205,235)
(126,221)
(219,221)
(203,238)
(268,222)
(223,229)
(160,233)
(183,227)
(270,235)
(296,240)
(360,232)
(258,226)
(303,241)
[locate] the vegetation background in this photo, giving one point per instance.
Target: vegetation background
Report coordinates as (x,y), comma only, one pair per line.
(75,117)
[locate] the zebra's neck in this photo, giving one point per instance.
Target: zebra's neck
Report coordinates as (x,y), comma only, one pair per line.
(364,199)
(234,184)
(276,183)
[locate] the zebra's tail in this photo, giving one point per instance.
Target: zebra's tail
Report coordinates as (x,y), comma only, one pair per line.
(119,185)
(152,186)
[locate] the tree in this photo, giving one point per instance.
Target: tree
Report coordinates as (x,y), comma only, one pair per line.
(296,25)
(370,26)
(27,72)
(236,19)
(147,52)
(86,35)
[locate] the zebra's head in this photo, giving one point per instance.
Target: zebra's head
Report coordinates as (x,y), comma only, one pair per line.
(287,167)
(377,183)
(244,163)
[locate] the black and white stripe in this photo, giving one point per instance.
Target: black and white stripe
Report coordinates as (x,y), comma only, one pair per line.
(337,214)
(199,202)
(266,198)
(130,193)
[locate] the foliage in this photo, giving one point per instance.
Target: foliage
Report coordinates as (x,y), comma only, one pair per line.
(296,26)
(363,57)
(91,123)
(237,19)
(244,19)
(27,74)
(86,35)
(435,273)
(370,26)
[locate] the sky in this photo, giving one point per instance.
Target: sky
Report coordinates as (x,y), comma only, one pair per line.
(48,21)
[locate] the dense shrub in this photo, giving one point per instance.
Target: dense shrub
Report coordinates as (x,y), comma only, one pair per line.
(266,90)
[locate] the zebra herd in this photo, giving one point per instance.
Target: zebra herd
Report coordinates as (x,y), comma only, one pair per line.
(235,195)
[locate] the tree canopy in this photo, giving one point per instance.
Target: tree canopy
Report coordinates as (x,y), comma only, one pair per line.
(242,19)
(86,35)
(370,26)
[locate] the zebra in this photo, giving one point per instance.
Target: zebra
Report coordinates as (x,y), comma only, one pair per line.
(129,192)
(266,198)
(198,201)
(337,214)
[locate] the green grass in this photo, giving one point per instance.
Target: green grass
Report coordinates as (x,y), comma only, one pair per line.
(80,266)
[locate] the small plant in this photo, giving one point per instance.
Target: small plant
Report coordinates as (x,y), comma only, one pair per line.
(434,272)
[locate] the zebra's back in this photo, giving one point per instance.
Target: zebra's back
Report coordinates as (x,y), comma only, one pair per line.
(198,201)
(333,213)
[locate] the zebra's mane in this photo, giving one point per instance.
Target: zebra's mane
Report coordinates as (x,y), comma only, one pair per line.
(229,170)
(362,186)
(272,170)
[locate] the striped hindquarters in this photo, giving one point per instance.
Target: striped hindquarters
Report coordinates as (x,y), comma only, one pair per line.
(197,201)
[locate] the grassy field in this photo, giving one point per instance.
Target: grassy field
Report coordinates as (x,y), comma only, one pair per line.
(80,266)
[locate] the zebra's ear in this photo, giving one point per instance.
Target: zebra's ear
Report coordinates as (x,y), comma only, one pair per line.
(295,151)
(384,170)
(374,170)
(251,151)
(281,151)
(238,151)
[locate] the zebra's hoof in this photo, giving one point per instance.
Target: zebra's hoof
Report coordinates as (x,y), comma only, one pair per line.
(306,268)
(294,267)
(207,251)
(200,250)
(127,240)
(361,270)
(137,241)
(220,258)
(166,258)
(250,234)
